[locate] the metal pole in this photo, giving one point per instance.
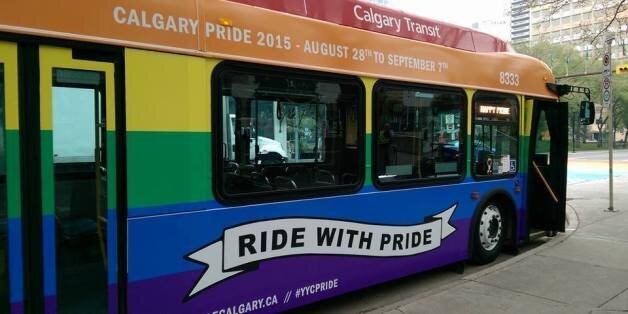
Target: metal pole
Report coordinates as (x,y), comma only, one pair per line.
(609,98)
(573,132)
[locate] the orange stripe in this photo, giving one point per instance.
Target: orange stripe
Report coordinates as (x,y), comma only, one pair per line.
(357,52)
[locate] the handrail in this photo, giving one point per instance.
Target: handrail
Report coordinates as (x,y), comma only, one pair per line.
(547,186)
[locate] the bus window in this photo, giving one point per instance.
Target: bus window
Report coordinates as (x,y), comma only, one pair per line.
(543,139)
(495,134)
(284,131)
(417,131)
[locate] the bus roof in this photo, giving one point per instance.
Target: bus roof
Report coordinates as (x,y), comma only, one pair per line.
(372,17)
(281,36)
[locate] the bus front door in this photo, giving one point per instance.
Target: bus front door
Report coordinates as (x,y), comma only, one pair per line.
(58,179)
(77,152)
(547,173)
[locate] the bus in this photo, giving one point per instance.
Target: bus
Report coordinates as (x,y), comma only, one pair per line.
(254,155)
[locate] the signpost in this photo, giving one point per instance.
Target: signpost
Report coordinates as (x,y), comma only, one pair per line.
(607,100)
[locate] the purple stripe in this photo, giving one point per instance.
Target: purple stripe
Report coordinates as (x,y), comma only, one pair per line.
(282,276)
(112,299)
(50,305)
(522,220)
(17,308)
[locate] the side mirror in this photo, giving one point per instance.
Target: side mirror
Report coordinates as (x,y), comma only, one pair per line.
(587,112)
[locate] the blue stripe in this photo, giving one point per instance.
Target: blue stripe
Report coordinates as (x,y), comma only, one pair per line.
(158,245)
(112,247)
(50,259)
(171,208)
(16,283)
(137,212)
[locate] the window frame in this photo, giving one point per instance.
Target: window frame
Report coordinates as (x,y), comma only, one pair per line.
(417,182)
(516,125)
(216,112)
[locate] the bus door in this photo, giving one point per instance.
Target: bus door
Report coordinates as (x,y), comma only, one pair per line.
(547,175)
(58,208)
(77,134)
(11,293)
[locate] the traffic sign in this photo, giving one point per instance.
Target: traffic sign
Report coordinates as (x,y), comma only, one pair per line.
(607,95)
(606,78)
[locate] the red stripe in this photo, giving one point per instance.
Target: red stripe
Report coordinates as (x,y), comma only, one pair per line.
(383,20)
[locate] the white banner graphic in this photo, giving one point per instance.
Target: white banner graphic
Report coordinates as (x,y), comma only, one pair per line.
(258,241)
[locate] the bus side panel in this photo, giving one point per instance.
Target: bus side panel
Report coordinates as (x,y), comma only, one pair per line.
(166,275)
(168,131)
(176,230)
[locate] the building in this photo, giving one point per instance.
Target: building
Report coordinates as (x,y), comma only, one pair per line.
(567,24)
(520,22)
(380,2)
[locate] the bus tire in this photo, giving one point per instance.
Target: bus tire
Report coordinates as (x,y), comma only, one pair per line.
(488,233)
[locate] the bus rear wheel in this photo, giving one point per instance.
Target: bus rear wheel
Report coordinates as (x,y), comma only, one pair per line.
(488,234)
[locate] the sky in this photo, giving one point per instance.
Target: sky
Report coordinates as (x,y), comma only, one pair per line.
(491,15)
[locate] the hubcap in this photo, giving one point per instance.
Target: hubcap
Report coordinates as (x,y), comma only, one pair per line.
(490,227)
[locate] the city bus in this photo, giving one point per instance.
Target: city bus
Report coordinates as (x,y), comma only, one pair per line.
(254,155)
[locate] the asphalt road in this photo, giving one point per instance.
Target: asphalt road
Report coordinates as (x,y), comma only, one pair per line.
(593,165)
(619,155)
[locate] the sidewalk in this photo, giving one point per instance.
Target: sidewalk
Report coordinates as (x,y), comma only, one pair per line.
(584,270)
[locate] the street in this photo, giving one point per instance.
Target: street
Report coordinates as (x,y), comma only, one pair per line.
(619,155)
(593,165)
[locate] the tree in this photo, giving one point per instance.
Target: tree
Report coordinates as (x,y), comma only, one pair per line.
(621,103)
(564,59)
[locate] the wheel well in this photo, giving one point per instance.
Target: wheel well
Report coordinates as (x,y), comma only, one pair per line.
(507,204)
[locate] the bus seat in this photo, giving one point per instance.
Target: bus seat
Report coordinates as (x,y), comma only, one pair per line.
(301,175)
(348,178)
(273,171)
(80,221)
(325,176)
(284,183)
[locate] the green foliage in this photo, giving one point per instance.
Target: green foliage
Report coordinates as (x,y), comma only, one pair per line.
(565,60)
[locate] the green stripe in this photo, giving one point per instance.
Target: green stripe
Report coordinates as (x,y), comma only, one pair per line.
(368,180)
(168,168)
(469,161)
(13,173)
(47,173)
(111,169)
(524,153)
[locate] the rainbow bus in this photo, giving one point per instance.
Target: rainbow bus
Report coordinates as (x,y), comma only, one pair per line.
(254,155)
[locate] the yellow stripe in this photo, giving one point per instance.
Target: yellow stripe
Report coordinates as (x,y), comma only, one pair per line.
(368,85)
(529,105)
(55,57)
(8,57)
(469,93)
(520,110)
(167,92)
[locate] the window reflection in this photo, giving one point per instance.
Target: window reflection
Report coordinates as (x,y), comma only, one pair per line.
(417,132)
(495,135)
(284,131)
